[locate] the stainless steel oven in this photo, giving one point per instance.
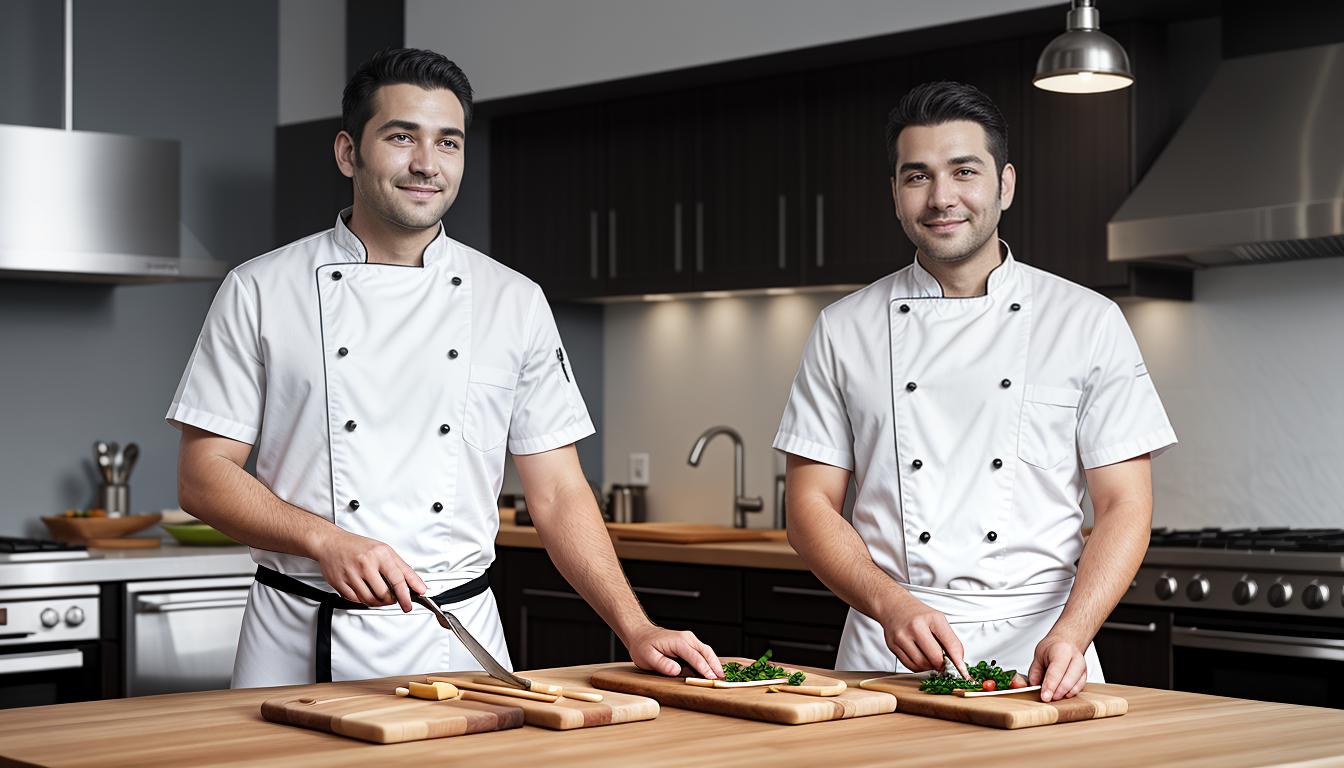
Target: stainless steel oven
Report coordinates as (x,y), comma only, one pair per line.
(51,651)
(182,634)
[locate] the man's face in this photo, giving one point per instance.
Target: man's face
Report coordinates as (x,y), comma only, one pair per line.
(947,193)
(410,158)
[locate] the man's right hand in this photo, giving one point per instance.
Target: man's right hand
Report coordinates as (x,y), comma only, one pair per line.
(919,635)
(367,571)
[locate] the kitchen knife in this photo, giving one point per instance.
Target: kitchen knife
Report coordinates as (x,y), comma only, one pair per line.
(494,668)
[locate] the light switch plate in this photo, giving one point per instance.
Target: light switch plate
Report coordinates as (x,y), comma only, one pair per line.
(639,469)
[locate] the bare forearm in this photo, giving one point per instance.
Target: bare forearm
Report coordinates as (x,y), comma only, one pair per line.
(574,535)
(1110,559)
(223,494)
(837,555)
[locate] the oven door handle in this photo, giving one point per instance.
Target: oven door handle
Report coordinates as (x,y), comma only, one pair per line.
(1269,645)
(41,661)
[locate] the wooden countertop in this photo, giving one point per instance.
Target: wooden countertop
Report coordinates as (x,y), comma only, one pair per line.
(1165,728)
(775,553)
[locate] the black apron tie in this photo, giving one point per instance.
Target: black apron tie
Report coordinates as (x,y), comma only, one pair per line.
(328,602)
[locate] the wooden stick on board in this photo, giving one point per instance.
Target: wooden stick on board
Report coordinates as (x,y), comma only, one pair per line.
(544,688)
(498,689)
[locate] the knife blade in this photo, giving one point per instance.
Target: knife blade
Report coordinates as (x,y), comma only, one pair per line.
(449,622)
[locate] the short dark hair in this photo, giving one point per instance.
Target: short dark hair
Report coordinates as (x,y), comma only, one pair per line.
(942,102)
(395,66)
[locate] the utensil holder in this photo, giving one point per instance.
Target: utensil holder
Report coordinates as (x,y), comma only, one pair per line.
(115,498)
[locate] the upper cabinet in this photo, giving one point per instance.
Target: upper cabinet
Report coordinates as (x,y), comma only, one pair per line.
(784,180)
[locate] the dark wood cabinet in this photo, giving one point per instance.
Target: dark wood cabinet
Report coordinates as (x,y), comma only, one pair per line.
(1134,647)
(547,623)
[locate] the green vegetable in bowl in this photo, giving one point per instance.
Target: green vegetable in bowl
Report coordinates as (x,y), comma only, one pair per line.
(761,669)
(947,683)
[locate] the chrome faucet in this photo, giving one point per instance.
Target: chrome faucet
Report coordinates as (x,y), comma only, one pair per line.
(741,503)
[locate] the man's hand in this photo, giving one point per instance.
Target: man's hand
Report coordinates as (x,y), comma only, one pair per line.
(658,649)
(1059,668)
(919,636)
(366,571)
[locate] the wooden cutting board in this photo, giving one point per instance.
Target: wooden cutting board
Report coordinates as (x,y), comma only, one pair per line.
(683,533)
(383,717)
(568,714)
(1008,711)
(747,703)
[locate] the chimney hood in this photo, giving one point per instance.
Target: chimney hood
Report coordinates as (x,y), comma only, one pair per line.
(1255,174)
(92,207)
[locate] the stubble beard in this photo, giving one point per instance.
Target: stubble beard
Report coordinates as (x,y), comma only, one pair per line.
(384,204)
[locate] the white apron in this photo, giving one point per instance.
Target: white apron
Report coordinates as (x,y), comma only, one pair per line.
(968,424)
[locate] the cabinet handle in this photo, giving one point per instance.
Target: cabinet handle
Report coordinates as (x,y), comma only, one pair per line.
(691,594)
(823,647)
(699,236)
(783,215)
(592,244)
(676,238)
(611,242)
(41,661)
(821,230)
(551,593)
(804,591)
(1121,626)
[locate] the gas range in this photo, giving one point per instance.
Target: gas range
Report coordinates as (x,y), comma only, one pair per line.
(1276,571)
(17,550)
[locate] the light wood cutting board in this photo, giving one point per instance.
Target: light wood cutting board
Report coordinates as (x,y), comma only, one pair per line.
(568,714)
(1009,711)
(747,703)
(683,533)
(383,717)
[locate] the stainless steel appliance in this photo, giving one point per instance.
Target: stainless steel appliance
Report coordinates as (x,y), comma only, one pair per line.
(19,550)
(182,634)
(1252,613)
(50,647)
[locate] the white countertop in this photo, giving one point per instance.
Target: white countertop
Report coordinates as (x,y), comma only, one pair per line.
(164,562)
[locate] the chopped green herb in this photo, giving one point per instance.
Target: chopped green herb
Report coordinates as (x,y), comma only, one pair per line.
(761,669)
(946,683)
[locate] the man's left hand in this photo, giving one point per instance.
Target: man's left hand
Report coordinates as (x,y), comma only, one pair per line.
(1059,668)
(658,649)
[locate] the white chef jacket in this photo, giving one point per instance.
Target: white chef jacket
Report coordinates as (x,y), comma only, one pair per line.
(381,398)
(968,424)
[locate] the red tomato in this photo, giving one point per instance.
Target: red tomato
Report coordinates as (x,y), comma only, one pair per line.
(989,685)
(1018,682)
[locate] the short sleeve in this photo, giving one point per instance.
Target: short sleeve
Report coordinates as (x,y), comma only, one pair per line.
(1120,414)
(548,410)
(816,424)
(223,389)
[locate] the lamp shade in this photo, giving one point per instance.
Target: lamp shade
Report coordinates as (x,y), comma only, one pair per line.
(1083,59)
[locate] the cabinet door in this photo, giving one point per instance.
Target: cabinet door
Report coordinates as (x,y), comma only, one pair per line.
(793,644)
(1074,174)
(651,151)
(747,216)
(696,593)
(1134,647)
(547,212)
(850,233)
(546,623)
(793,596)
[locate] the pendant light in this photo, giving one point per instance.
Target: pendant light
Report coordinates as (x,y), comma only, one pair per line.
(1083,59)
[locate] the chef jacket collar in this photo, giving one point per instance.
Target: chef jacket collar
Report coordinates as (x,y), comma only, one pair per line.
(926,286)
(353,247)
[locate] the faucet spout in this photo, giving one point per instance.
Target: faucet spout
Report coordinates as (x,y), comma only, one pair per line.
(741,502)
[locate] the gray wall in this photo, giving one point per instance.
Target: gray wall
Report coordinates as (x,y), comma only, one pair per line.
(84,362)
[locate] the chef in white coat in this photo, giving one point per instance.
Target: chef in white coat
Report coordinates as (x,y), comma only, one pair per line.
(381,370)
(975,400)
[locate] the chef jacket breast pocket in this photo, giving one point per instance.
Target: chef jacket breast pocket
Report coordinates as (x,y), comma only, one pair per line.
(490,394)
(1049,432)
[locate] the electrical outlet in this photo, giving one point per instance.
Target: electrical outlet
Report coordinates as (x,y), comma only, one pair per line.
(639,469)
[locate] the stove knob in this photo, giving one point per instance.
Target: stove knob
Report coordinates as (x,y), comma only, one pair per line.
(1245,591)
(1316,596)
(50,617)
(75,616)
(1166,587)
(1197,589)
(1280,594)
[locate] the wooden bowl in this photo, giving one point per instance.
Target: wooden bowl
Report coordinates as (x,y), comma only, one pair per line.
(81,530)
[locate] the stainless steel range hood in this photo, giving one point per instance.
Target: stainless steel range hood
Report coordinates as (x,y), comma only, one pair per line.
(92,207)
(1255,174)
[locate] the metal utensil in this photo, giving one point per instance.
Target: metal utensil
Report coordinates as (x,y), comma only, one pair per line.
(131,453)
(114,452)
(103,460)
(448,621)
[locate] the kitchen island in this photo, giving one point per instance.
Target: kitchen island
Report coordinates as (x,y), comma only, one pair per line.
(215,728)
